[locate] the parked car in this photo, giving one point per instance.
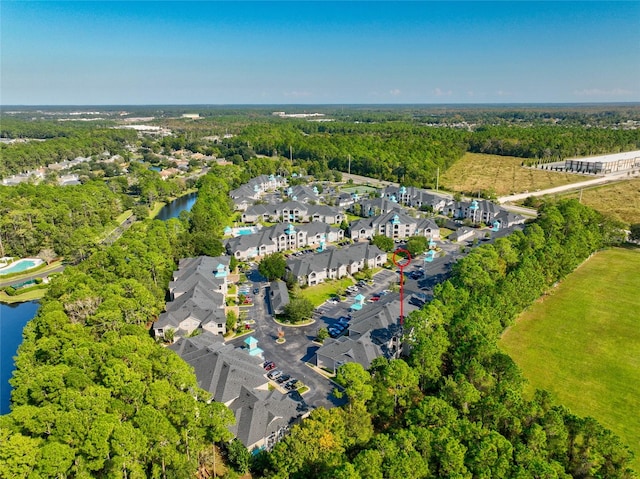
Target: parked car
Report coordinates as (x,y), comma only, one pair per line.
(269,365)
(343,320)
(416,302)
(283,379)
(256,290)
(274,374)
(374,298)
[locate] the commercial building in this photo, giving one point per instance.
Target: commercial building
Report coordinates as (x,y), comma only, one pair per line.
(605,163)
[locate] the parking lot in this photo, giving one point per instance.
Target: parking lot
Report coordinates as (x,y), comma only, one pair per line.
(290,358)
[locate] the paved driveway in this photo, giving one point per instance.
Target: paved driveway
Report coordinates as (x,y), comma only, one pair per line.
(290,357)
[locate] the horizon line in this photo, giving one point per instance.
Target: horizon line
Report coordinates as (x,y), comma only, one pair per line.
(549,103)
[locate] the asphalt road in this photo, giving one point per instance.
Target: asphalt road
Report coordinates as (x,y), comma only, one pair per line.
(290,357)
(612,177)
(38,274)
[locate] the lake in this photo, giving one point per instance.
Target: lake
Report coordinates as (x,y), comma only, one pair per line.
(177,206)
(13,318)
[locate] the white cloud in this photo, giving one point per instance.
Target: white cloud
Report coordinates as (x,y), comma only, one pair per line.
(596,92)
(395,92)
(441,92)
(503,93)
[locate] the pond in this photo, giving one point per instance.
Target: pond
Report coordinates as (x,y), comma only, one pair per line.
(177,206)
(13,318)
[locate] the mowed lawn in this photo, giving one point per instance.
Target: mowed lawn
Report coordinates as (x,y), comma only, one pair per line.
(620,200)
(476,172)
(582,343)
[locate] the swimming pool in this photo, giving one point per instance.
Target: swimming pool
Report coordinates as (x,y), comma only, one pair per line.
(21,265)
(245,231)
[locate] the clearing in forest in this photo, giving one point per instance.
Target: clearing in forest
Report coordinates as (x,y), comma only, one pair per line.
(501,175)
(620,200)
(581,343)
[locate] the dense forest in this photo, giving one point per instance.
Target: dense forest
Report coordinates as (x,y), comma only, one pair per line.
(73,220)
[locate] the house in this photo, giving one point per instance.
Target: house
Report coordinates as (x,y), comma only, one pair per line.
(374,207)
(198,308)
(278,296)
(507,219)
(335,352)
(395,224)
(168,173)
(335,263)
(237,379)
(303,193)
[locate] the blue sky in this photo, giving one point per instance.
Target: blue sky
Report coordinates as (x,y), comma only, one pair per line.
(88,53)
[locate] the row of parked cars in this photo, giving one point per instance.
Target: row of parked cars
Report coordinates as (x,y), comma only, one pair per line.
(339,327)
(278,376)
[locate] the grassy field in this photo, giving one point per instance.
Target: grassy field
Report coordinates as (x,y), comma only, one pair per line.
(319,293)
(582,343)
(620,200)
(21,298)
(503,175)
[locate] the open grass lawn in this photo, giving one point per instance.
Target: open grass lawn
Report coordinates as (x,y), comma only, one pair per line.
(582,343)
(20,298)
(319,293)
(476,172)
(620,200)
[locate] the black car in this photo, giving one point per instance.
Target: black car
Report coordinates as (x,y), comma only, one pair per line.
(256,290)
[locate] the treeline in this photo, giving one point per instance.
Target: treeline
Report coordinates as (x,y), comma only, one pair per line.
(552,141)
(94,395)
(391,151)
(67,145)
(455,407)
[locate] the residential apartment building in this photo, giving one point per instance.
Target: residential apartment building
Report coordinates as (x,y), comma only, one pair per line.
(335,263)
(282,237)
(395,224)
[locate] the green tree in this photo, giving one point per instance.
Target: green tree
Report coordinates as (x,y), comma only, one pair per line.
(356,382)
(383,242)
(417,245)
(298,309)
(238,456)
(273,266)
(232,321)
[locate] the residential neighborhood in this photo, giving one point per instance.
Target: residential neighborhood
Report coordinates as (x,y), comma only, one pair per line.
(246,368)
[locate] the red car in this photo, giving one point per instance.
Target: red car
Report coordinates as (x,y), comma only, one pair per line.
(270,365)
(374,298)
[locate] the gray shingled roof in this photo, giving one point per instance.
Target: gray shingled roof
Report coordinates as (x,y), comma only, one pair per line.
(232,376)
(260,414)
(279,296)
(333,258)
(347,350)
